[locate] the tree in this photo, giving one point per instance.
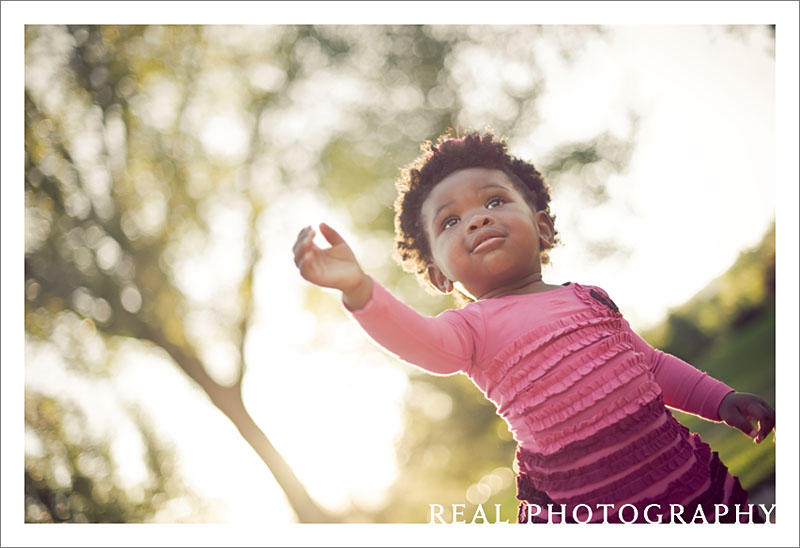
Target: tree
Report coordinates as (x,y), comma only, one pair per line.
(109,200)
(127,180)
(72,477)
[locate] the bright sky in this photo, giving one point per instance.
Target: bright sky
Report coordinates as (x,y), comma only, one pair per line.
(702,186)
(700,183)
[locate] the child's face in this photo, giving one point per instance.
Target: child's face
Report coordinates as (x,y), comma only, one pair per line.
(483,233)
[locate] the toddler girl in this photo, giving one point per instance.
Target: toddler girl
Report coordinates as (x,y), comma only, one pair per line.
(584,396)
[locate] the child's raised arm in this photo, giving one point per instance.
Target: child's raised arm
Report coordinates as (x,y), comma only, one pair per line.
(441,345)
(335,267)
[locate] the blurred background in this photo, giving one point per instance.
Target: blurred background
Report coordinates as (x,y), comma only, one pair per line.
(178,369)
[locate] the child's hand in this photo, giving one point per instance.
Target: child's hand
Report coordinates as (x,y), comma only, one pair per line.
(334,267)
(739,409)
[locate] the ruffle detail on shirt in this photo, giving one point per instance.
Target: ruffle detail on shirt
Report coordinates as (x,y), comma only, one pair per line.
(547,416)
(689,483)
(570,372)
(715,494)
(554,340)
(602,303)
(629,427)
(703,483)
(626,490)
(633,454)
(528,493)
(580,399)
(646,392)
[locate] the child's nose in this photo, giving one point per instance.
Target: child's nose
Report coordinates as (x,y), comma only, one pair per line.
(479,222)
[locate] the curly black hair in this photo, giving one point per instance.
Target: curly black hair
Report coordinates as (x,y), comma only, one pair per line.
(437,161)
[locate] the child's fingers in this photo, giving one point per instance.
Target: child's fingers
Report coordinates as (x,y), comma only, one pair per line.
(758,411)
(765,417)
(333,237)
(303,238)
(304,244)
(740,422)
(741,410)
(300,238)
(302,260)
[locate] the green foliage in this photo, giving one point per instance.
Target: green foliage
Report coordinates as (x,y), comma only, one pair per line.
(745,360)
(71,476)
(741,295)
(361,183)
(455,450)
(728,330)
(123,192)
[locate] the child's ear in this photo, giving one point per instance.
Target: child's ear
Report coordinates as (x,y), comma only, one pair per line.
(547,231)
(439,280)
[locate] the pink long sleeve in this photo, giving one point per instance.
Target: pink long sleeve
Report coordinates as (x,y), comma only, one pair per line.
(454,341)
(442,345)
(684,387)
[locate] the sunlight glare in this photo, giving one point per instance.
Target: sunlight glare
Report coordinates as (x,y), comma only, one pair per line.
(329,399)
(225,135)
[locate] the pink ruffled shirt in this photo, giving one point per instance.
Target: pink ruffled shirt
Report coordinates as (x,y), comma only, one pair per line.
(507,344)
(583,395)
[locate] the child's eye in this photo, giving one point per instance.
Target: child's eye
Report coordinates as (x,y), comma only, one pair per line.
(450,221)
(494,202)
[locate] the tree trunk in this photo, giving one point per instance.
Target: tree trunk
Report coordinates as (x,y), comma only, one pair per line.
(308,511)
(228,399)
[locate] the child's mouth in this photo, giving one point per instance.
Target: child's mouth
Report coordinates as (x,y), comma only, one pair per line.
(488,243)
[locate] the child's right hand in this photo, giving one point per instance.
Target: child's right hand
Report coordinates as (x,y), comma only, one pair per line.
(335,267)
